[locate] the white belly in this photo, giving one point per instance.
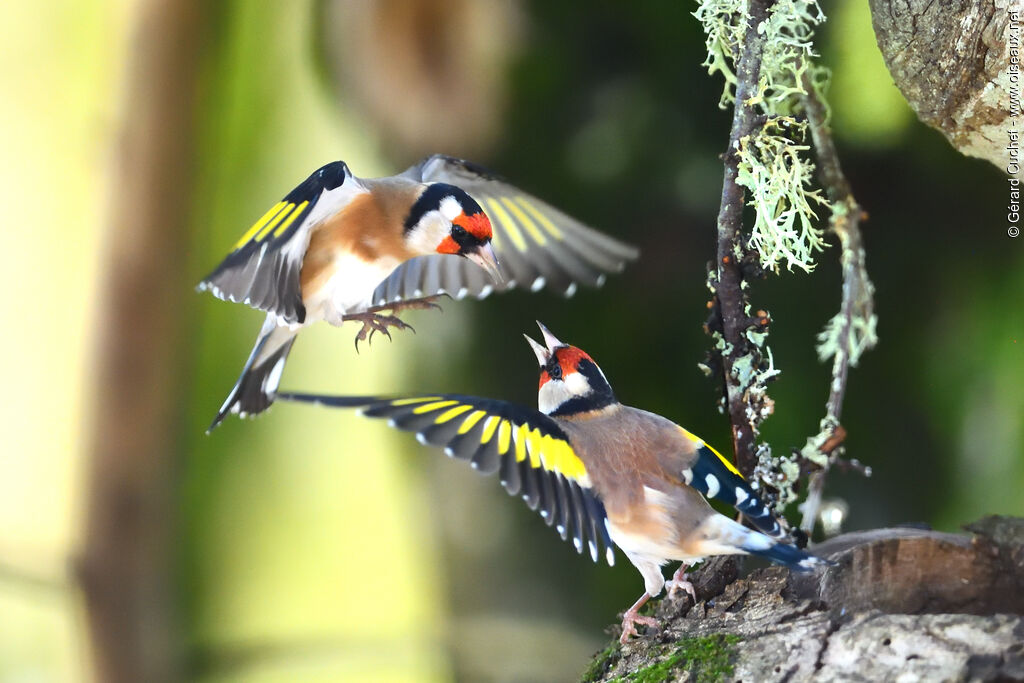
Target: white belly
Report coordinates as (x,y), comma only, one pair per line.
(349,290)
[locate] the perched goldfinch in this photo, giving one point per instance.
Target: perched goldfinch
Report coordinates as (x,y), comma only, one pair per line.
(604,473)
(341,248)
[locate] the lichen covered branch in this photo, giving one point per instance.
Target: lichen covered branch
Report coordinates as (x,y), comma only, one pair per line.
(768,42)
(852,330)
(739,355)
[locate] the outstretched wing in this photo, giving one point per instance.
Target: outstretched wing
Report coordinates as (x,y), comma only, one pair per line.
(715,477)
(263,268)
(531,453)
(537,245)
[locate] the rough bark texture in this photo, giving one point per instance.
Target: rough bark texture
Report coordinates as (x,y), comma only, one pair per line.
(908,603)
(950,59)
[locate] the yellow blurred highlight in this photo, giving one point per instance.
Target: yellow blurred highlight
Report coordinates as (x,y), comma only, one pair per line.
(314,547)
(60,62)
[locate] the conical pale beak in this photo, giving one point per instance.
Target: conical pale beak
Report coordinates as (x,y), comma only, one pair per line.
(539,351)
(484,257)
(549,339)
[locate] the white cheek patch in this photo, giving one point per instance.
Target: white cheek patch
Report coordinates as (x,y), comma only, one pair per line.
(553,394)
(428,233)
(450,208)
(556,392)
(578,384)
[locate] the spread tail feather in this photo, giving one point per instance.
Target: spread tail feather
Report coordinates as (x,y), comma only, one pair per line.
(256,387)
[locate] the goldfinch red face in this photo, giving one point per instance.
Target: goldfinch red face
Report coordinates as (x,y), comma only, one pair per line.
(446,220)
(570,380)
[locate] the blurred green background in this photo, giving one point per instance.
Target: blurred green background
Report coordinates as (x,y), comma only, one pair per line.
(312,545)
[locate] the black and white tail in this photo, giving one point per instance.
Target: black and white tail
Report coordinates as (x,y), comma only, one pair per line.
(257,385)
(729,537)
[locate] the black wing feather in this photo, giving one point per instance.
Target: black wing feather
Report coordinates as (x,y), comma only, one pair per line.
(260,271)
(530,450)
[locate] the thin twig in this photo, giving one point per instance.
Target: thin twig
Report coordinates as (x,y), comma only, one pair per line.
(732,301)
(857,302)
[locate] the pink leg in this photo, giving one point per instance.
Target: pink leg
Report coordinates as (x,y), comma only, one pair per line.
(632,617)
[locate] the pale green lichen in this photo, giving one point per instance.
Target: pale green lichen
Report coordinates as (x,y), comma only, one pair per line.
(723,22)
(788,49)
(777,172)
(859,334)
(778,176)
(813,449)
(775,166)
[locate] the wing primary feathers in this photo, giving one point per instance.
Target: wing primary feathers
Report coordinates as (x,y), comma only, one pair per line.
(262,270)
(548,501)
(486,459)
(510,478)
(494,436)
(412,280)
(596,517)
(530,491)
(579,509)
(432,275)
(564,505)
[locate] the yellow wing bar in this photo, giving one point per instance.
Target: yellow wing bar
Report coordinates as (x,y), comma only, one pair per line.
(700,442)
(441,420)
(280,216)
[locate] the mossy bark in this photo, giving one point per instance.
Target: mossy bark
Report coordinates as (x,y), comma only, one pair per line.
(898,602)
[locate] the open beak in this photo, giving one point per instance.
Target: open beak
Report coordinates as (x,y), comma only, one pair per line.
(539,351)
(484,257)
(549,339)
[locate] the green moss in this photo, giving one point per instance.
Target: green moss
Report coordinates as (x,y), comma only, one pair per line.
(708,659)
(602,662)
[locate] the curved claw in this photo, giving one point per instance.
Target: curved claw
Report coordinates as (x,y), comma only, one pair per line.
(378,327)
(374,322)
(629,622)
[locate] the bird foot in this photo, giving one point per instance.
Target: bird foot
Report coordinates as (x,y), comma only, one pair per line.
(678,583)
(375,322)
(675,586)
(630,619)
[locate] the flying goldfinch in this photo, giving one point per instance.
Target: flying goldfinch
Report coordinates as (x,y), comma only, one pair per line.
(603,473)
(341,248)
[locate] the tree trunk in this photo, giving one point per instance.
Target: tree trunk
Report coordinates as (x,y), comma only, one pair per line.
(902,602)
(957,64)
(126,565)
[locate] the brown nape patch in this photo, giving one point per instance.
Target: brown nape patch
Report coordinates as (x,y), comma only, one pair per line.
(369,227)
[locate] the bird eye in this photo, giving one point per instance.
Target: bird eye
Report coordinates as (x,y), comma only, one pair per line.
(459,233)
(554,368)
